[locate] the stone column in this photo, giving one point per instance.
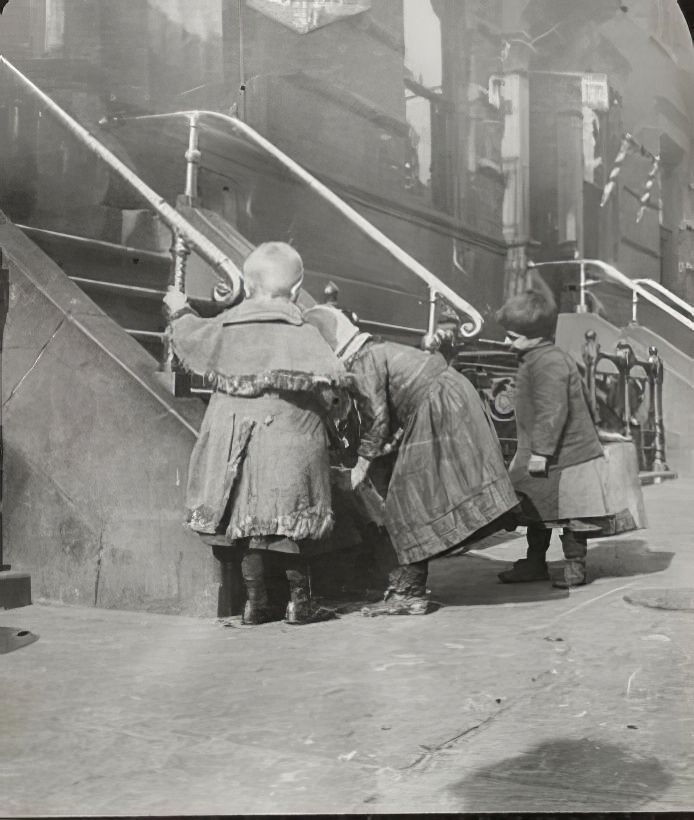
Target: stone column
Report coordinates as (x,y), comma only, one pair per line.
(515,151)
(570,173)
(55,27)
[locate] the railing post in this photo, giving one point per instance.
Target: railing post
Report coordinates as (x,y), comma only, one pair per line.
(582,308)
(430,342)
(193,156)
(656,376)
(634,307)
(180,251)
(591,354)
(433,299)
(624,361)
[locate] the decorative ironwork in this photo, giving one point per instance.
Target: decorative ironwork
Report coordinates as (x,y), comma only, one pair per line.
(623,405)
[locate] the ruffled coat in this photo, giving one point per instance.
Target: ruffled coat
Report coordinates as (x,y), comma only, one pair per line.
(260,466)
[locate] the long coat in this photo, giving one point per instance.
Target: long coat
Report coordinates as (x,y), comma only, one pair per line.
(449,481)
(260,466)
(581,489)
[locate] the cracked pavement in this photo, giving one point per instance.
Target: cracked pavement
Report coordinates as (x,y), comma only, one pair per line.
(508,698)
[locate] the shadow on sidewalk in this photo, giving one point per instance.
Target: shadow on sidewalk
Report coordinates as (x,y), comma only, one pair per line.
(466,580)
(470,579)
(552,776)
(618,559)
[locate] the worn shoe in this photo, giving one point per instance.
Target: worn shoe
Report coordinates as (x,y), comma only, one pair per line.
(302,613)
(572,574)
(524,572)
(254,615)
(394,603)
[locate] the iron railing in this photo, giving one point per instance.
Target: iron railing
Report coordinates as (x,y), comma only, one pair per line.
(185,235)
(648,434)
(437,289)
(635,286)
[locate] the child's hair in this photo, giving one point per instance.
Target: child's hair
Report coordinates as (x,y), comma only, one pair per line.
(273,269)
(532,314)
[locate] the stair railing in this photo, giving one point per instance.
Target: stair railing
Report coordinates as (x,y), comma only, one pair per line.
(185,236)
(613,274)
(672,297)
(437,288)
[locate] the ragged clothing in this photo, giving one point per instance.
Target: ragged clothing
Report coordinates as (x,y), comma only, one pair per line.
(260,465)
(449,481)
(586,488)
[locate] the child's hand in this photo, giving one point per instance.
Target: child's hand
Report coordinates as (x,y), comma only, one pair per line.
(359,472)
(607,436)
(537,466)
(175,300)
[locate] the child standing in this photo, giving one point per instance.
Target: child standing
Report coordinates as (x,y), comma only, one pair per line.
(259,471)
(559,470)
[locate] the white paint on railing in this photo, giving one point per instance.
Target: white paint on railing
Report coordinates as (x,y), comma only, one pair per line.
(673,297)
(169,215)
(436,286)
(638,291)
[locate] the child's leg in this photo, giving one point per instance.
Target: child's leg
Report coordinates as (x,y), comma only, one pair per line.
(300,609)
(575,545)
(534,566)
(410,579)
(406,593)
(259,608)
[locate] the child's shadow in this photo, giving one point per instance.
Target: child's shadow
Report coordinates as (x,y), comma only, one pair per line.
(623,558)
(471,579)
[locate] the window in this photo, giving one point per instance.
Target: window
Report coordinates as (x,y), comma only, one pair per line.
(426,173)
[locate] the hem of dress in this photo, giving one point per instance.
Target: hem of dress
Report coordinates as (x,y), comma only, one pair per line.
(430,544)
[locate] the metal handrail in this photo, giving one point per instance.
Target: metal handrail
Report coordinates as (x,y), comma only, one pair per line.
(436,286)
(617,276)
(169,215)
(673,297)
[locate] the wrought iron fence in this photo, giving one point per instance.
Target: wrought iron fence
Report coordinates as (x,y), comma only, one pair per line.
(625,394)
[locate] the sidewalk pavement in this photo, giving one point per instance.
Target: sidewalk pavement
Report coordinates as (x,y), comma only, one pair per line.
(508,698)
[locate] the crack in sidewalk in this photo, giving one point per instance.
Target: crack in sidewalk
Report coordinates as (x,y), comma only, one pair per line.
(424,759)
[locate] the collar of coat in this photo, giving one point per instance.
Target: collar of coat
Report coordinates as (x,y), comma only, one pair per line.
(525,346)
(263,309)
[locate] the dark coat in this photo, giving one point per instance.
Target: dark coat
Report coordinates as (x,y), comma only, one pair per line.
(552,415)
(553,420)
(449,481)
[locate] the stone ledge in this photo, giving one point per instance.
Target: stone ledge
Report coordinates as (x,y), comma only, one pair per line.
(15,589)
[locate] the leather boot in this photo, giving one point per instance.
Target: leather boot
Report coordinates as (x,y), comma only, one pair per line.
(573,573)
(534,566)
(300,609)
(406,595)
(258,609)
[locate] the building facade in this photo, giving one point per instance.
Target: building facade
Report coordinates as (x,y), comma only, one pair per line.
(477,134)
